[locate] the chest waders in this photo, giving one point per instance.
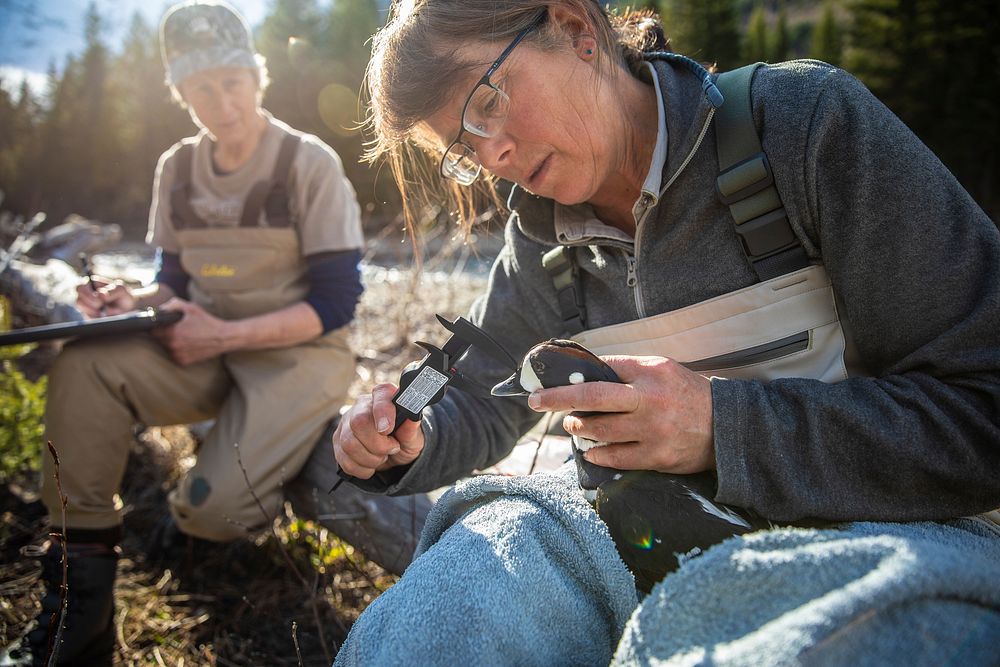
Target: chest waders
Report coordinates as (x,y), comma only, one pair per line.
(784,325)
(280,399)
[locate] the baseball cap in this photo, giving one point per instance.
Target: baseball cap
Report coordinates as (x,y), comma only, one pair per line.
(195,36)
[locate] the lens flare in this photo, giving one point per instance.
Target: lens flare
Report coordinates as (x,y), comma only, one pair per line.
(338,107)
(643,541)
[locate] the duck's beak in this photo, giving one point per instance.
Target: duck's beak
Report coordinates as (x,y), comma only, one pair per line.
(510,387)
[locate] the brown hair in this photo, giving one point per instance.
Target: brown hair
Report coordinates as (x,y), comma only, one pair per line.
(413,72)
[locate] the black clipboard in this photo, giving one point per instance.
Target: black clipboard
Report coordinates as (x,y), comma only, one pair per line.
(142,320)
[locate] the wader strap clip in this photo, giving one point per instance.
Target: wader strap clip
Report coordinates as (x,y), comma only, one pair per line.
(560,264)
(746,183)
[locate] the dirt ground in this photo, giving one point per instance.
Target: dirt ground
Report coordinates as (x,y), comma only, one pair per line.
(286,595)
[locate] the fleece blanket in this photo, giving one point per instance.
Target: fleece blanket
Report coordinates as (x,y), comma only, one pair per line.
(865,594)
(521,571)
(508,571)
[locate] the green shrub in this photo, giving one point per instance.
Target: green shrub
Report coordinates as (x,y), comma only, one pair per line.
(22,405)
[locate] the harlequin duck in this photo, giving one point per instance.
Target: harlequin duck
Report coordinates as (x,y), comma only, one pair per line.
(556,363)
(657,520)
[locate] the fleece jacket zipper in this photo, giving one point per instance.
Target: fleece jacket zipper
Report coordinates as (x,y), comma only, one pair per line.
(632,260)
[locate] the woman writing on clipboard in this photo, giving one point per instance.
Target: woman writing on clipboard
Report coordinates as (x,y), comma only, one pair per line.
(259,236)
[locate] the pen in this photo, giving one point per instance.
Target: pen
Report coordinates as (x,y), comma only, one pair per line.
(88,271)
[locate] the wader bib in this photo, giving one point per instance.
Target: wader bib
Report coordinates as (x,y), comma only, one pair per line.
(273,404)
(784,327)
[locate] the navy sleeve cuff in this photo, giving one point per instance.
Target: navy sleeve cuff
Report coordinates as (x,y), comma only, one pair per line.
(169,272)
(334,286)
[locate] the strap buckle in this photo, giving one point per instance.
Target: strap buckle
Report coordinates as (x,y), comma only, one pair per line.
(766,235)
(744,179)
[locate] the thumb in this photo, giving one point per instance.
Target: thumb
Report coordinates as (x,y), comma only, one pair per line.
(410,436)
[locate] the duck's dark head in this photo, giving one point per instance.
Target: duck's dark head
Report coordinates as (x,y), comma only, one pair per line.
(555,363)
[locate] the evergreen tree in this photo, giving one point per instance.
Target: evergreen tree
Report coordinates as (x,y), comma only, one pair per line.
(756,41)
(58,144)
(780,47)
(827,39)
(27,113)
(345,54)
(287,38)
(705,30)
(149,121)
(84,125)
(7,134)
(935,64)
(7,129)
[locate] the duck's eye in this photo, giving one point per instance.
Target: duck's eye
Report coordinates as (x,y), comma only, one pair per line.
(538,365)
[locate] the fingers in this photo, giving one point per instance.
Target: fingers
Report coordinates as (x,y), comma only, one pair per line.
(88,301)
(618,428)
(410,437)
(640,456)
(619,455)
(362,455)
(101,298)
(383,410)
(182,305)
(587,397)
(363,444)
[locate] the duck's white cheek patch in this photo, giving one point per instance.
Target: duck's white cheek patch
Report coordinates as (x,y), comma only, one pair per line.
(583,444)
(576,378)
(529,381)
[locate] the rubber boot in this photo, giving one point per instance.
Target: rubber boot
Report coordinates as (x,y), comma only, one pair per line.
(87,636)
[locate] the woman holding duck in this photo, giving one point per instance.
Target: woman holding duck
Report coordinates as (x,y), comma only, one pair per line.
(814,318)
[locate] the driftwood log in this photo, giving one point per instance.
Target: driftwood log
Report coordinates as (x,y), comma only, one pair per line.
(384,528)
(387,528)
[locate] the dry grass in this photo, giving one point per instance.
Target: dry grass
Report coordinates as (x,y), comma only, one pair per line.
(285,596)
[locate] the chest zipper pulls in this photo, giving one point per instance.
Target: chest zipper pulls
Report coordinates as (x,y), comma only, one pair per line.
(632,271)
(632,281)
(631,261)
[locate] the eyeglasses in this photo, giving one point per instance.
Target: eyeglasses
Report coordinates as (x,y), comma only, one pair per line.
(483,115)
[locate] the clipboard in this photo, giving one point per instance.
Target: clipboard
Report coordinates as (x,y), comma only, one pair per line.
(142,320)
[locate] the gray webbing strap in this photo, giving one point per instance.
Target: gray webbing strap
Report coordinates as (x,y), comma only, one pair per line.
(746,183)
(271,195)
(560,264)
(182,214)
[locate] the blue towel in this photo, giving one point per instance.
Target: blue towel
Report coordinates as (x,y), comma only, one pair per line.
(866,594)
(495,585)
(521,571)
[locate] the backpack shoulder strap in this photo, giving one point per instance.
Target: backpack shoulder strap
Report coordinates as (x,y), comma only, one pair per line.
(746,183)
(182,214)
(560,264)
(271,195)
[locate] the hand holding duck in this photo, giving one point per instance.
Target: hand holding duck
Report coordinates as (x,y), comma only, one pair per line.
(659,419)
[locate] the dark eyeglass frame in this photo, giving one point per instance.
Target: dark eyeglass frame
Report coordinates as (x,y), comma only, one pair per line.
(485,81)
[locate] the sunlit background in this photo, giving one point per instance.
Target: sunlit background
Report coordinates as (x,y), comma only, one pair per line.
(35,35)
(83,135)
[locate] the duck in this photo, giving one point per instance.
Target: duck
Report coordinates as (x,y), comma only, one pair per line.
(657,520)
(559,362)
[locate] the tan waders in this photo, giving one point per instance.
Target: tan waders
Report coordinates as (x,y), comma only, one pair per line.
(273,404)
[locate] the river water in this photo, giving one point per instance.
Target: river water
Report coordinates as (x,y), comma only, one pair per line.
(134,262)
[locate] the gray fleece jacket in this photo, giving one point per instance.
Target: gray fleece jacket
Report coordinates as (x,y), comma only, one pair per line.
(915,265)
